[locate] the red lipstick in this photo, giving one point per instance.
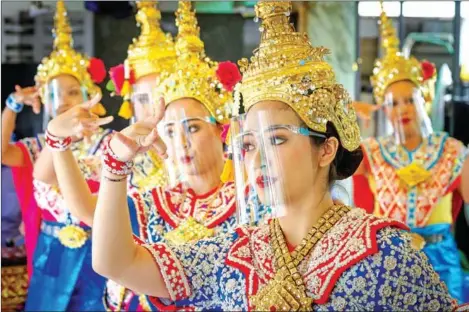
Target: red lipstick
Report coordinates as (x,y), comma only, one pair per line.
(405,120)
(265,181)
(186,160)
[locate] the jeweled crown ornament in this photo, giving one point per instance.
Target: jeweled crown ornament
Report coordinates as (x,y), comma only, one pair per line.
(287,68)
(65,60)
(394,66)
(152,52)
(194,74)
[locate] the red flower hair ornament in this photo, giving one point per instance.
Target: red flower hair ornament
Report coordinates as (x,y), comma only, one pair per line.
(97,70)
(228,74)
(428,70)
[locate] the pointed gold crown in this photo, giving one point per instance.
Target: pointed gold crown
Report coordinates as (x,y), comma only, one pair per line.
(194,74)
(394,66)
(287,68)
(64,59)
(153,51)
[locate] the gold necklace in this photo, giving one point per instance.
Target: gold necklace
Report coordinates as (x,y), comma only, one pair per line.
(286,291)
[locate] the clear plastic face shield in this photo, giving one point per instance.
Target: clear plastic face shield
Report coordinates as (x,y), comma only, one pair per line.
(194,148)
(61,94)
(142,99)
(262,162)
(405,110)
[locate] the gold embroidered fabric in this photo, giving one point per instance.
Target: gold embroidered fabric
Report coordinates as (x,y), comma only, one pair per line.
(225,271)
(188,231)
(286,291)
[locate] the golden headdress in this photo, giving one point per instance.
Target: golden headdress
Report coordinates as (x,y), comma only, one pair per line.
(195,75)
(287,68)
(394,66)
(64,59)
(151,53)
(153,50)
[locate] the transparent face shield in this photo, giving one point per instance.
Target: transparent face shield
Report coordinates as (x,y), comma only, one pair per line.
(194,148)
(407,115)
(61,94)
(261,163)
(142,99)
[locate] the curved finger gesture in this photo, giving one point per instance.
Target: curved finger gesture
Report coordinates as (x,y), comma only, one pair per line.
(78,121)
(140,137)
(28,96)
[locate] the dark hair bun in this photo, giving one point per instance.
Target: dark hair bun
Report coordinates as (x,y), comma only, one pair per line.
(348,163)
(345,163)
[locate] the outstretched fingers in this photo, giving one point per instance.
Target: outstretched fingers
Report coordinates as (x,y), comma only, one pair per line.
(158,114)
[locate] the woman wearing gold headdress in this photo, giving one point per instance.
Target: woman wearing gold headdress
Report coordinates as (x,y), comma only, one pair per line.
(195,201)
(298,136)
(148,56)
(415,175)
(62,277)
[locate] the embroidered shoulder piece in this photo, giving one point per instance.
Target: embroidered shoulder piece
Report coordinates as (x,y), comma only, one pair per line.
(177,204)
(252,254)
(396,278)
(352,239)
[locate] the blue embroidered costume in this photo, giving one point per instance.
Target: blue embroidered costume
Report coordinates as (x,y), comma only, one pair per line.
(362,263)
(63,278)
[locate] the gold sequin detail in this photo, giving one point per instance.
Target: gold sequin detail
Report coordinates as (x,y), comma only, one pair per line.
(286,291)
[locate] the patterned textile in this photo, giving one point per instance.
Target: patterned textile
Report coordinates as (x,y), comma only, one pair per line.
(14,286)
(362,263)
(144,174)
(61,273)
(427,207)
(170,208)
(439,154)
(159,211)
(49,198)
